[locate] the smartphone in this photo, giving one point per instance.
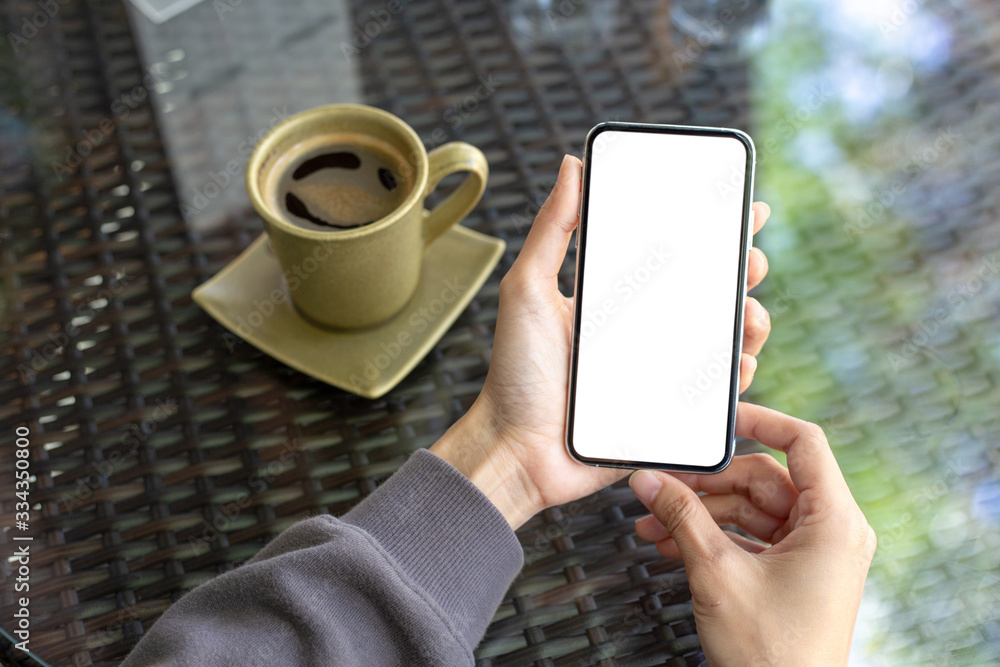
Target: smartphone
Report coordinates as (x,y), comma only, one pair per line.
(662,249)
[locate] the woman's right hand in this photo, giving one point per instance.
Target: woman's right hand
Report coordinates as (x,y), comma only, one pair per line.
(793,602)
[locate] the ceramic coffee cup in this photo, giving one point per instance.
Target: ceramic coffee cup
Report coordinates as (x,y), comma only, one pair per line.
(358,273)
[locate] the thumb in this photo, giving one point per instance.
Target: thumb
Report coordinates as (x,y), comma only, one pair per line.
(545,247)
(682,513)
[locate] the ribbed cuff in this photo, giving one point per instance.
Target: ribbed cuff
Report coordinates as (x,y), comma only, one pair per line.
(447,536)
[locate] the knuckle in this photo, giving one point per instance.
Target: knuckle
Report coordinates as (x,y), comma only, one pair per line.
(676,512)
(859,531)
(871,543)
(565,224)
(745,509)
(762,460)
(813,432)
(769,477)
(761,496)
(853,527)
(859,525)
(861,545)
(760,317)
(764,325)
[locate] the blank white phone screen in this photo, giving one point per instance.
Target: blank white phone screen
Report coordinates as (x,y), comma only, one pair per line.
(659,297)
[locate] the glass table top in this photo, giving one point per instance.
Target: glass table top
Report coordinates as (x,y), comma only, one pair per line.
(874,122)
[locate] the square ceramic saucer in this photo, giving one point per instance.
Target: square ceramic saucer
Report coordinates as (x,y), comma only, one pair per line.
(250,298)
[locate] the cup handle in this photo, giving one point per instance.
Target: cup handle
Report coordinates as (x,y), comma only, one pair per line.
(445,160)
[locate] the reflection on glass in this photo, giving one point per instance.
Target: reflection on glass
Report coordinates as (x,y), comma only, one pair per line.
(714,22)
(717,33)
(568,23)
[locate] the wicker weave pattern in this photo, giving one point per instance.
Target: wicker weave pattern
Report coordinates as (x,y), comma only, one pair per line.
(166,455)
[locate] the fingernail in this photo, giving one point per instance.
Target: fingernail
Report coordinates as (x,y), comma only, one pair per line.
(645,485)
(565,161)
(753,365)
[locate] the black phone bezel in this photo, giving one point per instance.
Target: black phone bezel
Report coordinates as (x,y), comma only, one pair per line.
(745,241)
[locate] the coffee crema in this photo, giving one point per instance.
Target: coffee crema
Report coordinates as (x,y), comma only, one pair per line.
(338,181)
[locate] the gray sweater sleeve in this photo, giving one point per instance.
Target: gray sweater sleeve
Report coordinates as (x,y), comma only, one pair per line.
(411,576)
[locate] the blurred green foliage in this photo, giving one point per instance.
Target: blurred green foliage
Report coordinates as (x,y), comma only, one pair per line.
(884,301)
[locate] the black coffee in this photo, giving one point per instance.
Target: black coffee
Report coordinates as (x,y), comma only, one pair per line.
(339,182)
